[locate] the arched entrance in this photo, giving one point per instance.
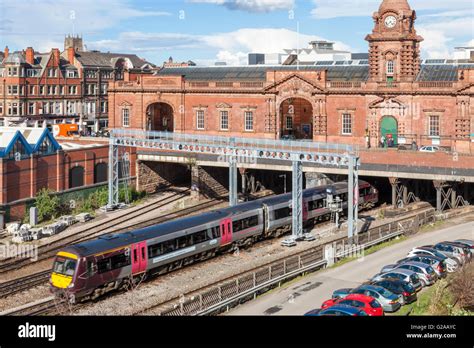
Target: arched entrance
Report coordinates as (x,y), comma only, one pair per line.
(76,177)
(296,119)
(160,117)
(389,130)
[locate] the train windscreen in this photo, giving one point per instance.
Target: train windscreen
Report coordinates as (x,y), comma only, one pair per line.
(64,266)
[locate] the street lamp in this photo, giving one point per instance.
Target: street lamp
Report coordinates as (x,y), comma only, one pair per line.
(283,176)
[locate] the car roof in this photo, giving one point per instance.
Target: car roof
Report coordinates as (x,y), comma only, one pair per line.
(467,241)
(358,297)
(416,263)
(371,287)
(400,270)
(391,280)
(343,308)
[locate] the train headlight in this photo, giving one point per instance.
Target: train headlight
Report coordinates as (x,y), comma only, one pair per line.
(70,286)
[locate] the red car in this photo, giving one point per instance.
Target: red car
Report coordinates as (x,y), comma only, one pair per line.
(366,303)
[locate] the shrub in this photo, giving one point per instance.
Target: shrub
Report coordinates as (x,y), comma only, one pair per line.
(48,205)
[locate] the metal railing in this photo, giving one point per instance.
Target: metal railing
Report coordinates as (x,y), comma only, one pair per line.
(227,292)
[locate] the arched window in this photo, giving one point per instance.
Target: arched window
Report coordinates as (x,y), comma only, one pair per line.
(390,67)
(76,177)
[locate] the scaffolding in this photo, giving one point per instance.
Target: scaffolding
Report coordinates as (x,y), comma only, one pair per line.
(235,151)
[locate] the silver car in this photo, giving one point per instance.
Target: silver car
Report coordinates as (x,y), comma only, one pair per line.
(425,272)
(389,301)
(451,251)
(452,264)
(438,264)
(403,274)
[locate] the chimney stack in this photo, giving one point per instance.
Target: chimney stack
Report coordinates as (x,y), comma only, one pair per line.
(56,55)
(5,53)
(70,55)
(30,55)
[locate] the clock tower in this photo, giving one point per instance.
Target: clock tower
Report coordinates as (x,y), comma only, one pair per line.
(394,46)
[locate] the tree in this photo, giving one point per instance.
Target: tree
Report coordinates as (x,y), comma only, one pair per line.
(47,204)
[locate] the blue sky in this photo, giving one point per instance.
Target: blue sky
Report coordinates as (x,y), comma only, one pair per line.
(208,30)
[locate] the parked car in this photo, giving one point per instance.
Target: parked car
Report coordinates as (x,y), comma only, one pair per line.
(340,310)
(313,312)
(402,274)
(429,149)
(438,264)
(399,287)
(425,272)
(366,303)
(466,250)
(341,293)
(389,301)
(467,242)
(452,264)
(451,251)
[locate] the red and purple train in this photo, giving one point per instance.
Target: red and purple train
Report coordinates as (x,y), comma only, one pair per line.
(92,268)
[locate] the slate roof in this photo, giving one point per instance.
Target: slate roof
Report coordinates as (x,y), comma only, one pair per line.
(102,59)
(428,72)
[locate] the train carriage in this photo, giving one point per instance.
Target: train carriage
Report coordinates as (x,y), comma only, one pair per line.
(92,268)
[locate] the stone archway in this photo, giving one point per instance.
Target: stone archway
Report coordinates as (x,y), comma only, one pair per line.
(296,118)
(160,117)
(389,129)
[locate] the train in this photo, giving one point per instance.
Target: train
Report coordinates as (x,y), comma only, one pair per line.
(118,261)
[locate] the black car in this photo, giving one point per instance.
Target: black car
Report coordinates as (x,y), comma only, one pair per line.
(399,287)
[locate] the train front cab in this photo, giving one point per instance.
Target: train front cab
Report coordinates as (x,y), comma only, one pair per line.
(64,271)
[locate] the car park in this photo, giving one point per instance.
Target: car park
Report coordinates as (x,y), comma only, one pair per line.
(437,263)
(366,303)
(403,274)
(399,287)
(389,301)
(425,272)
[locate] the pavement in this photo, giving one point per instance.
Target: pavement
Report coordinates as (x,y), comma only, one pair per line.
(297,298)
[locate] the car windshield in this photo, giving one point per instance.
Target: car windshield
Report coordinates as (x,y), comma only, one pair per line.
(408,287)
(430,270)
(64,266)
(384,292)
(414,278)
(375,304)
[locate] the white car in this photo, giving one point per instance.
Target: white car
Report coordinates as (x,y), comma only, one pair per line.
(429,149)
(451,264)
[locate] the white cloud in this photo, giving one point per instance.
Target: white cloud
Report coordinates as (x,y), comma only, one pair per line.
(231,47)
(251,5)
(43,23)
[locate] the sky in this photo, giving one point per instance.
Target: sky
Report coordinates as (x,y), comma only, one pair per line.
(206,31)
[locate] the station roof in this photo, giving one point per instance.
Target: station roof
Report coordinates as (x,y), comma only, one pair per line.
(360,72)
(31,139)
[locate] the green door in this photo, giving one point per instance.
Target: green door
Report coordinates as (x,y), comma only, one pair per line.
(389,129)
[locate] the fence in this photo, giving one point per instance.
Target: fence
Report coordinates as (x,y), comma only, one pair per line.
(227,292)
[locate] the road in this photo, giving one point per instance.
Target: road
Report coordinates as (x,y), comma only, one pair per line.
(311,291)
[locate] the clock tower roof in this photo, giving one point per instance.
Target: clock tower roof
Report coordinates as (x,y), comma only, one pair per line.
(394,5)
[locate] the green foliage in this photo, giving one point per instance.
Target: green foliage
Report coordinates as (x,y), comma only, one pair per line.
(48,205)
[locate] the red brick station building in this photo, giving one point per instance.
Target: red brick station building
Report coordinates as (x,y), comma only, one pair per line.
(392,95)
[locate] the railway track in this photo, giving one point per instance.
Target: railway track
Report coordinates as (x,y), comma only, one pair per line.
(45,251)
(20,284)
(25,283)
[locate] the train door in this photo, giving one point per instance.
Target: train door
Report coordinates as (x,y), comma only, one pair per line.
(139,258)
(226,231)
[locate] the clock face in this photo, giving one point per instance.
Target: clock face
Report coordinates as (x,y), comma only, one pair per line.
(390,21)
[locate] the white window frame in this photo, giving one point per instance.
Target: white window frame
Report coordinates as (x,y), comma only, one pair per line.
(434,129)
(200,120)
(126,117)
(224,120)
(346,124)
(390,67)
(248,121)
(288,122)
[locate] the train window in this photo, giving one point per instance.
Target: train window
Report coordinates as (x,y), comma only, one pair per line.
(90,268)
(103,265)
(243,224)
(143,253)
(282,213)
(168,246)
(313,205)
(216,232)
(155,250)
(119,261)
(200,237)
(135,255)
